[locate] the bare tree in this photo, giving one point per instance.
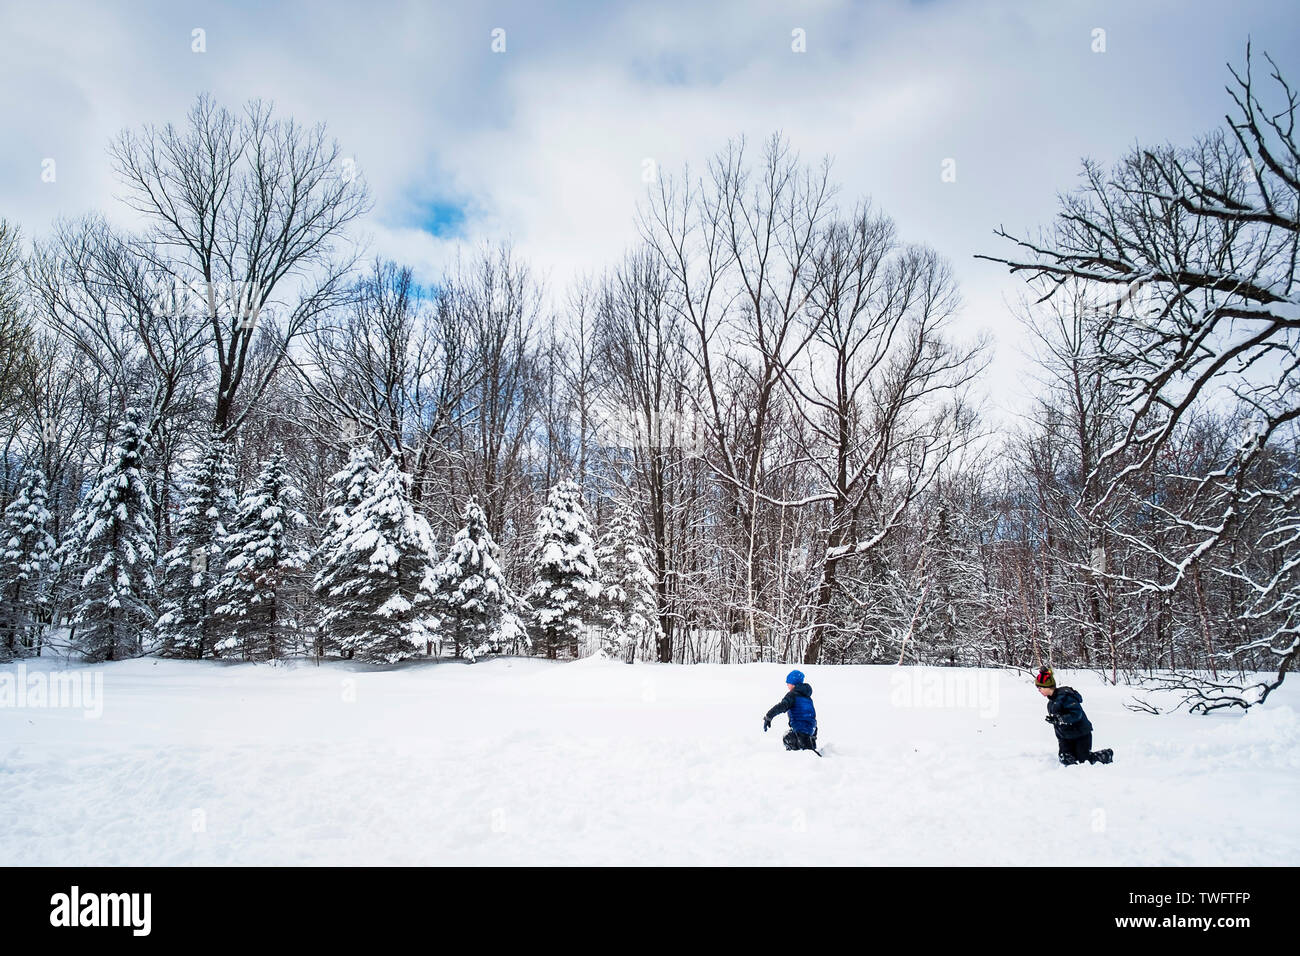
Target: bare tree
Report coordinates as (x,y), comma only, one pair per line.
(246,213)
(1192,253)
(15,337)
(645,418)
(499,303)
(738,249)
(94,288)
(388,368)
(883,390)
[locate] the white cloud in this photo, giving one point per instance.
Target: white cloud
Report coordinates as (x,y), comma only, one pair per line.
(545,142)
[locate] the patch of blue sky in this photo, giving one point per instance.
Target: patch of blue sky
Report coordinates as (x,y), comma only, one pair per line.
(444,218)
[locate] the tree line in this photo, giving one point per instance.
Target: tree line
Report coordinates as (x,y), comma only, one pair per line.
(756,436)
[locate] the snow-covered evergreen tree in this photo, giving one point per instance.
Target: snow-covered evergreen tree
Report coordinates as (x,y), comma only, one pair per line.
(566,589)
(349,488)
(954,629)
(192,568)
(514,636)
(27,549)
(110,546)
(473,598)
(628,609)
(263,560)
(378,583)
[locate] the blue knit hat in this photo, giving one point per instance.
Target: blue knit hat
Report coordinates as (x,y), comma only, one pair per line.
(794,677)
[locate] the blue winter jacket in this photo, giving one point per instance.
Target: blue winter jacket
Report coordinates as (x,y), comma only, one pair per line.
(1066,705)
(798,702)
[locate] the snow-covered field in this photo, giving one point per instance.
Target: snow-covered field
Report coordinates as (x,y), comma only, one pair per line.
(517,761)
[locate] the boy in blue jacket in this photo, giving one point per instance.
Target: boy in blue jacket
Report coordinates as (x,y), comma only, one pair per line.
(803,715)
(1065,714)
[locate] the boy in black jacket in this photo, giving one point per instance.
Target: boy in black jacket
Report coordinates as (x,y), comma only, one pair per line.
(1073,729)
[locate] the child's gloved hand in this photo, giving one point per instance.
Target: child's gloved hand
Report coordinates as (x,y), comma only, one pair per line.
(1051,718)
(767,722)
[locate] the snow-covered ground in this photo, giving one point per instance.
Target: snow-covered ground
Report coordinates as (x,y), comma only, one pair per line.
(518,761)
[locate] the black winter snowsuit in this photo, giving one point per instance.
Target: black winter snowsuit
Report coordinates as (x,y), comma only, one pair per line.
(1073,729)
(1066,705)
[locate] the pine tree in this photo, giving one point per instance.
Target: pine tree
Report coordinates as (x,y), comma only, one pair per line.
(473,598)
(350,487)
(628,609)
(514,636)
(111,547)
(955,627)
(192,568)
(263,561)
(378,584)
(567,586)
(27,549)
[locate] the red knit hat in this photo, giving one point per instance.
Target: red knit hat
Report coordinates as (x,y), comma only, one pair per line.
(1045,678)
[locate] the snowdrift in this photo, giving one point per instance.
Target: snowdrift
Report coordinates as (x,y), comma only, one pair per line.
(521,761)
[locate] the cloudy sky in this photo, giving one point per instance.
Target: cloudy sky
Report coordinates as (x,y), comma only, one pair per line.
(546,142)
